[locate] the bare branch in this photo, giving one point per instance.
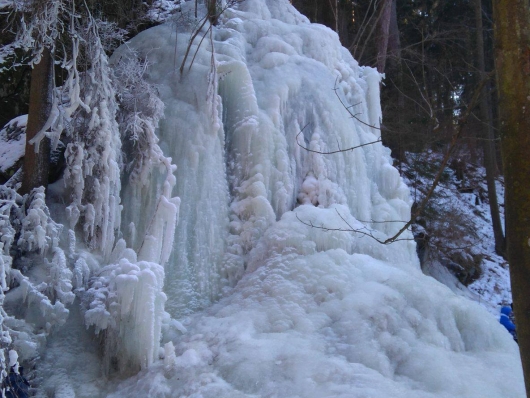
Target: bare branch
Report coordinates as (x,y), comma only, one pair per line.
(461,123)
(365,231)
(199,46)
(336,89)
(205,19)
(454,140)
(332,152)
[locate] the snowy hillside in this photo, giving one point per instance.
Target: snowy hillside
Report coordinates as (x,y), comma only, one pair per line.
(257,292)
(455,233)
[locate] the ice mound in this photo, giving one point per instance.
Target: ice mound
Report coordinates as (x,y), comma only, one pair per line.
(325,323)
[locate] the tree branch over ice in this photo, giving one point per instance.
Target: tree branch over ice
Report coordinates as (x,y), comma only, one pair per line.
(207,18)
(338,150)
(452,146)
(363,231)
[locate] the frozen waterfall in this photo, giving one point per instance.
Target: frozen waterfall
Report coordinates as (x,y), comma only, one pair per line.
(263,304)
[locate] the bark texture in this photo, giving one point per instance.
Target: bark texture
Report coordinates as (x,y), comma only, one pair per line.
(383,29)
(512,61)
(37,164)
(488,136)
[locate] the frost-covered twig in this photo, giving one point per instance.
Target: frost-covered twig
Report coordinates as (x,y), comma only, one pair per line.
(39,232)
(138,116)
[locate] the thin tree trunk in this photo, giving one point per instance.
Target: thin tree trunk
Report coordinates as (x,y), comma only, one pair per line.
(512,61)
(212,11)
(383,33)
(488,138)
(335,12)
(394,43)
(37,164)
(395,64)
(337,16)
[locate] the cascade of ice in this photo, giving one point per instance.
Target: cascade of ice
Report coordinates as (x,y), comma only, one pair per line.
(237,178)
(306,312)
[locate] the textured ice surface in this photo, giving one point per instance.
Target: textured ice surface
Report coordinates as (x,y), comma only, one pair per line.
(303,312)
(313,323)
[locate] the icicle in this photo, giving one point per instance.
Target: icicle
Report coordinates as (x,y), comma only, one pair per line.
(60,278)
(128,294)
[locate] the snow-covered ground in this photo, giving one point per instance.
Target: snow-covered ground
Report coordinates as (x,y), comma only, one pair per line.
(263,294)
(459,223)
(12,141)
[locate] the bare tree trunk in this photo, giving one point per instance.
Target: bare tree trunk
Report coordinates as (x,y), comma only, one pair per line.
(335,11)
(394,43)
(37,164)
(212,11)
(337,16)
(383,28)
(512,61)
(395,64)
(488,138)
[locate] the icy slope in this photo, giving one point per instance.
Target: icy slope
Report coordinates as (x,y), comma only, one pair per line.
(306,312)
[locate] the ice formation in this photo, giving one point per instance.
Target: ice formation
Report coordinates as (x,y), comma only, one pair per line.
(257,292)
(262,303)
(54,279)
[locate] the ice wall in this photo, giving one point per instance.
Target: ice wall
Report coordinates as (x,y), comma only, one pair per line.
(240,167)
(303,311)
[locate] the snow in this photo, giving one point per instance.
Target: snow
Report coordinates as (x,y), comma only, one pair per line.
(12,145)
(257,291)
(464,225)
(161,10)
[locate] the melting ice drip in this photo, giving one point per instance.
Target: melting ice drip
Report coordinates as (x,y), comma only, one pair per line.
(306,312)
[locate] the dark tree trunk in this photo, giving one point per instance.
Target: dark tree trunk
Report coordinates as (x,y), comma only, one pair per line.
(212,11)
(336,14)
(512,61)
(488,137)
(394,43)
(36,164)
(383,28)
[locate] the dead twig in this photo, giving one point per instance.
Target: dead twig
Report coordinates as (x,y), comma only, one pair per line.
(365,231)
(332,152)
(454,140)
